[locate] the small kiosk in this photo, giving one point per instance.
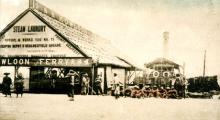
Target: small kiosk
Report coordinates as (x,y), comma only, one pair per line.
(163,72)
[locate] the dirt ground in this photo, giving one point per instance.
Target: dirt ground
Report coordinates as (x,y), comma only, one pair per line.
(58,107)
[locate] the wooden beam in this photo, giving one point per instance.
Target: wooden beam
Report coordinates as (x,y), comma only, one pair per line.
(125,82)
(105,82)
(93,77)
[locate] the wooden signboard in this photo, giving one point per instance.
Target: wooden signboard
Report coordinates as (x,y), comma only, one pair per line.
(55,62)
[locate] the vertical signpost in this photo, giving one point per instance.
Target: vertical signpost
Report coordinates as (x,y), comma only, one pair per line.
(31,3)
(204,64)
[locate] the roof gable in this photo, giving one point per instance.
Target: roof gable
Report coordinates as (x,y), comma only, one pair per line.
(30,36)
(161,61)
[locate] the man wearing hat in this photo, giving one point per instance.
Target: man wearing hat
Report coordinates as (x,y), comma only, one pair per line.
(19,84)
(146,90)
(155,91)
(6,84)
(70,91)
(162,92)
(98,87)
(85,84)
(116,82)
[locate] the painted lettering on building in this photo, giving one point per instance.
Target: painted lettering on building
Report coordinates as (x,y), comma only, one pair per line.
(32,28)
(34,39)
(15,62)
(68,62)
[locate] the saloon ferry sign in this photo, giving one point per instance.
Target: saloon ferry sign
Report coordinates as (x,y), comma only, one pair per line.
(56,62)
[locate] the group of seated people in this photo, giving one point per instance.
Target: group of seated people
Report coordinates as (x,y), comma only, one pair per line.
(147,92)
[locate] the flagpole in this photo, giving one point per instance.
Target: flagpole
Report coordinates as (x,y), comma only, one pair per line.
(204,64)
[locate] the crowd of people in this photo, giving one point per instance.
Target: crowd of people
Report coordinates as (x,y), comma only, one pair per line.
(85,85)
(7,84)
(135,92)
(73,77)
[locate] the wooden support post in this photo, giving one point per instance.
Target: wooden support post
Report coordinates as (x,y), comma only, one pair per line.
(93,78)
(16,72)
(125,82)
(128,77)
(105,82)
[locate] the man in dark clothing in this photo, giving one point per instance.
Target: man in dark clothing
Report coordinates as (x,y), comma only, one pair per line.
(6,85)
(72,76)
(178,85)
(53,79)
(98,87)
(19,84)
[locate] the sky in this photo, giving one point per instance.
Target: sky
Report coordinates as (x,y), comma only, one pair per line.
(136,27)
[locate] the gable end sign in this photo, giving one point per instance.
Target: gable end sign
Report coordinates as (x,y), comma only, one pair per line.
(56,62)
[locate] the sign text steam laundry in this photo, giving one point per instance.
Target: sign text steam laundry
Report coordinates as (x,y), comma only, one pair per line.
(32,28)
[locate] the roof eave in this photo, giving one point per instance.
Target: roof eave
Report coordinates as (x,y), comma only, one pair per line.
(12,23)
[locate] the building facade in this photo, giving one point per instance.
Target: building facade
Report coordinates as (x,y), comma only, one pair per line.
(46,46)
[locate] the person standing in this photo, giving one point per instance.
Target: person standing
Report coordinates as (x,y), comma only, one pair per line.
(85,84)
(70,89)
(112,87)
(6,83)
(117,85)
(19,84)
(53,79)
(178,86)
(98,85)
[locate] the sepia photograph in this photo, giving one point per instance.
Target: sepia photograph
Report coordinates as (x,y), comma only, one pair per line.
(109,60)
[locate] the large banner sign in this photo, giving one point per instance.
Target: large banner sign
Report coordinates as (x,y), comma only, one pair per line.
(30,37)
(56,62)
